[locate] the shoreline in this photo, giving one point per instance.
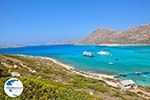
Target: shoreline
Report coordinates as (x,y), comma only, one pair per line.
(109,45)
(108,79)
(115,45)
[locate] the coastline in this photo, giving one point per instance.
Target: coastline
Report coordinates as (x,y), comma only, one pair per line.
(113,45)
(124,44)
(109,45)
(108,79)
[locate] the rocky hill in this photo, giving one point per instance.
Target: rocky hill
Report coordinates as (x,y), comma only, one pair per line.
(135,35)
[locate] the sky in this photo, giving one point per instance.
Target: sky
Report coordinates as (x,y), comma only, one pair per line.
(26,22)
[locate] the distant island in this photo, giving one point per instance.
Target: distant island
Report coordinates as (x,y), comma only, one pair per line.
(139,35)
(11,46)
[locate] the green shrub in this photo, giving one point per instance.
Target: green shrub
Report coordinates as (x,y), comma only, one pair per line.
(35,89)
(3,71)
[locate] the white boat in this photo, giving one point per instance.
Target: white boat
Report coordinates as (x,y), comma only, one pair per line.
(86,53)
(110,63)
(104,53)
(138,73)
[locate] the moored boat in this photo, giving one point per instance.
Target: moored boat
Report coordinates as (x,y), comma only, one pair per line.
(86,53)
(104,53)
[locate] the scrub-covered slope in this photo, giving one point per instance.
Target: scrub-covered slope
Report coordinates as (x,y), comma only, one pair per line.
(45,80)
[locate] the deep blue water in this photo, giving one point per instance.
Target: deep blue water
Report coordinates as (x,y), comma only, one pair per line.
(126,59)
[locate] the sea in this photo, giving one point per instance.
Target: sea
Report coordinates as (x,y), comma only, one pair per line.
(125,62)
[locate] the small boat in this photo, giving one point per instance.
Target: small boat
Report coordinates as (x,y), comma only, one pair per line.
(110,63)
(138,73)
(104,53)
(86,53)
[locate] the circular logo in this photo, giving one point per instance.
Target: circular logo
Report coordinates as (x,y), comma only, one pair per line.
(13,87)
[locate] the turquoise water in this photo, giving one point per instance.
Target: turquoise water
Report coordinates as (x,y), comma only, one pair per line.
(129,62)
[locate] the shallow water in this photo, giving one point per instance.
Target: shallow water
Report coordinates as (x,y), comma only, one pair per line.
(124,60)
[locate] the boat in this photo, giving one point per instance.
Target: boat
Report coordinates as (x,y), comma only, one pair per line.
(138,73)
(110,63)
(104,53)
(142,73)
(86,53)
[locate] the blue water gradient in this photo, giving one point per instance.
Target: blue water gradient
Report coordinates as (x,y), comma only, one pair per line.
(127,60)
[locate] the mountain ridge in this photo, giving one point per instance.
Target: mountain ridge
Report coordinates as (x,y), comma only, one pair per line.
(135,35)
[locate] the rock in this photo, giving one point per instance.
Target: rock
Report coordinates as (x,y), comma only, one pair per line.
(6,65)
(15,66)
(15,74)
(91,93)
(33,71)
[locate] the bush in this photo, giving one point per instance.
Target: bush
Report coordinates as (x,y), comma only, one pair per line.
(3,71)
(35,89)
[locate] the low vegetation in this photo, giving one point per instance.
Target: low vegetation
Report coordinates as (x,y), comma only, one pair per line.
(50,81)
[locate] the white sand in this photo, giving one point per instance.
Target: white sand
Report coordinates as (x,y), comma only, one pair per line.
(99,76)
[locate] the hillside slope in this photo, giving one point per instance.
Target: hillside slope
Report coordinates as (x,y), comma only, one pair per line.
(136,35)
(45,80)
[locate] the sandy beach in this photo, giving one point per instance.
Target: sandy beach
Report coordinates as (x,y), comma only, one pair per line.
(99,76)
(108,79)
